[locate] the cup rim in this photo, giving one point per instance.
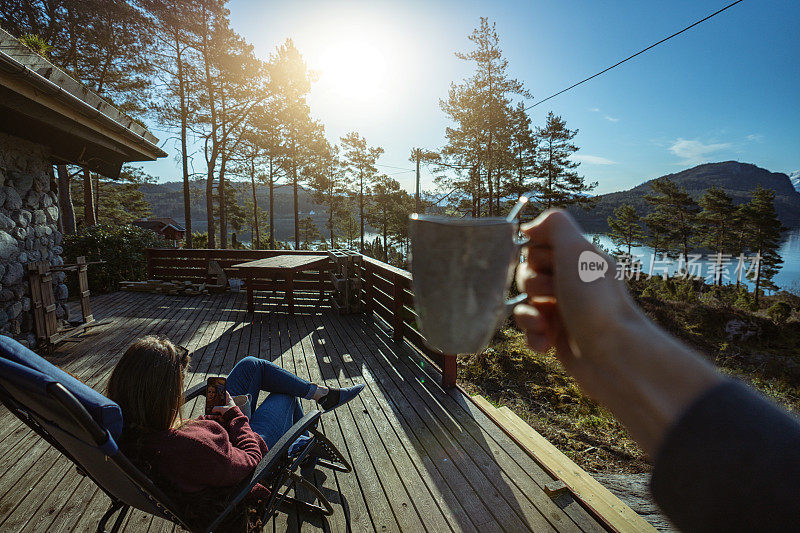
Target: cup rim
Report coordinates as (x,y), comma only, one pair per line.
(452,221)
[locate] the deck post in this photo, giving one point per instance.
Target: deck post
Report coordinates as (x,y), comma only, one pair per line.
(366,273)
(449,370)
(397,309)
(149,255)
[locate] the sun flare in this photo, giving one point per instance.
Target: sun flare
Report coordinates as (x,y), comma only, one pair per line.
(354,69)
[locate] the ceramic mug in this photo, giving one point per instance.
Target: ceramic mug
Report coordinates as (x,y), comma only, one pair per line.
(461,272)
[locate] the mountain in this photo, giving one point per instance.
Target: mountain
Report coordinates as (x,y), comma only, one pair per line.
(737,179)
(794,177)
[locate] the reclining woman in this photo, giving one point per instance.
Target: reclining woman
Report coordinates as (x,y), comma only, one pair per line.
(197,461)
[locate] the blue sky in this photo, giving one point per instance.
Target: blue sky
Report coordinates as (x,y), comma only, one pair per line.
(727,89)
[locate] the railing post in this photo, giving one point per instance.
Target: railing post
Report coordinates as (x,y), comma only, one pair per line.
(367,287)
(148,253)
(397,308)
(449,370)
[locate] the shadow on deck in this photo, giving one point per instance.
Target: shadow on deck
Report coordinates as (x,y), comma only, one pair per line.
(424,458)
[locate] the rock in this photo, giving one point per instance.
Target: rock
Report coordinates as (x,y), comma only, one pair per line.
(56,260)
(58,237)
(13,311)
(34,255)
(13,200)
(634,490)
(26,302)
(6,224)
(2,271)
(61,292)
(33,199)
(3,318)
(30,243)
(741,330)
(52,214)
(59,277)
(23,258)
(23,181)
(2,195)
(20,290)
(8,246)
(41,181)
(59,311)
(14,274)
(47,200)
(58,250)
(39,230)
(6,295)
(31,338)
(39,217)
(20,234)
(22,218)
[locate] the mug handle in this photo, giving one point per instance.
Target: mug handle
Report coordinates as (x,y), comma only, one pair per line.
(520,298)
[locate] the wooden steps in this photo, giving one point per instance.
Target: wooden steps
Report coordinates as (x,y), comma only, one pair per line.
(598,499)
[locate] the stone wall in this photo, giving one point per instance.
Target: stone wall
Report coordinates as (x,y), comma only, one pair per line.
(28,232)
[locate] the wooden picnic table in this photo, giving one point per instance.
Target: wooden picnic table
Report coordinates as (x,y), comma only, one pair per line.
(281,266)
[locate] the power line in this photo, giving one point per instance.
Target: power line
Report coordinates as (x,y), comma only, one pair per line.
(398,168)
(636,54)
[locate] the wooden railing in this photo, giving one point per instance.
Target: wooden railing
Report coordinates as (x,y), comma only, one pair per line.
(192,265)
(387,289)
(387,293)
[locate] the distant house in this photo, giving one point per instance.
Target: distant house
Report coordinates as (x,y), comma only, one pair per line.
(164,226)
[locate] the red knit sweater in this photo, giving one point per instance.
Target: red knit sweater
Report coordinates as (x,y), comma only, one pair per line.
(207,452)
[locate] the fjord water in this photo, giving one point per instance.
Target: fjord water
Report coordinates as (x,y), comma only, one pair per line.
(787,278)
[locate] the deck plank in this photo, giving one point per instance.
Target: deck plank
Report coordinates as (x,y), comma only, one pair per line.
(424,459)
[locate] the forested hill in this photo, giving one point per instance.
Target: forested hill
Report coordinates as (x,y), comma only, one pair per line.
(166,200)
(737,179)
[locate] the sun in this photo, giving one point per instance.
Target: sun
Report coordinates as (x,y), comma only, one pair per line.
(353,69)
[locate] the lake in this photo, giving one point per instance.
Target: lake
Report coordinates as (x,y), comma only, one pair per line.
(787,278)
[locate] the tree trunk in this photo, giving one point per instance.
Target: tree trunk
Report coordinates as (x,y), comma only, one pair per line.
(97,198)
(416,196)
(271,208)
(65,208)
(212,241)
(187,201)
(222,189)
(88,199)
(294,199)
(361,208)
(255,205)
(758,277)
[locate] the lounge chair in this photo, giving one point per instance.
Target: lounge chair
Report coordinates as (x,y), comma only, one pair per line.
(84,425)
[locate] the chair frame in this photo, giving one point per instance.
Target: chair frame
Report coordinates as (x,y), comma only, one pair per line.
(275,469)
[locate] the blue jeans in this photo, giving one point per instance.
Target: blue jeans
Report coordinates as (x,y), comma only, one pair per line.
(281,408)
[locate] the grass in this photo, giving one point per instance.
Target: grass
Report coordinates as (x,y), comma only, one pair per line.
(535,386)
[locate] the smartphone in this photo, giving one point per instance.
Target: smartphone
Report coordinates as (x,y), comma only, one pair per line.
(215,393)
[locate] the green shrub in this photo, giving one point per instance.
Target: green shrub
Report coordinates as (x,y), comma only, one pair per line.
(121,247)
(779,312)
(744,301)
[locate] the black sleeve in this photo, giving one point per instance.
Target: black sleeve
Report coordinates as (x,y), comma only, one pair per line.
(731,463)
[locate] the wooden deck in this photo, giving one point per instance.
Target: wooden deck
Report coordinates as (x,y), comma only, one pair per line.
(424,459)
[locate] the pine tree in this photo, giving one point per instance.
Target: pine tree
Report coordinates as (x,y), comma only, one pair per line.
(762,237)
(308,232)
(385,195)
(715,224)
(626,228)
(674,215)
(327,181)
(291,80)
(360,160)
(559,184)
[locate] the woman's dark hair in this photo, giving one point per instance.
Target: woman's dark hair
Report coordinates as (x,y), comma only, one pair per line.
(147,384)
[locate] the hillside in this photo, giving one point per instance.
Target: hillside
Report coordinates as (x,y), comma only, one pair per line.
(738,179)
(166,200)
